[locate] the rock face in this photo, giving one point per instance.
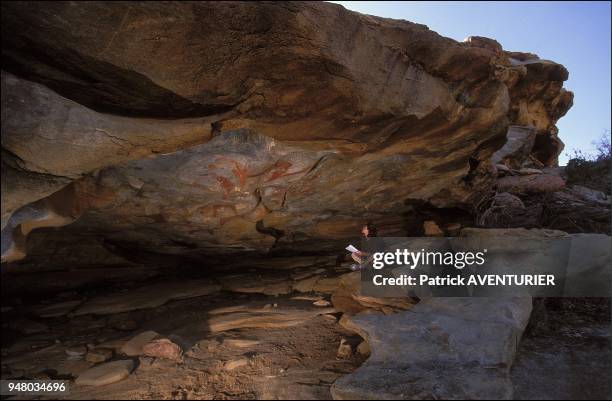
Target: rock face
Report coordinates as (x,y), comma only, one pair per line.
(208,128)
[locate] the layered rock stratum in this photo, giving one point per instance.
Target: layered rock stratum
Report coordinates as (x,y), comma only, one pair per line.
(207,129)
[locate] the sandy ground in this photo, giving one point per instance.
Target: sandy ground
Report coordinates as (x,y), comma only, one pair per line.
(566,354)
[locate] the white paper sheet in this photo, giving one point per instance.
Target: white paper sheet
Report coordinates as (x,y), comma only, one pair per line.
(351,249)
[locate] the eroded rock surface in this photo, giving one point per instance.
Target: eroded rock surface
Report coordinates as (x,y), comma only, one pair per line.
(58,140)
(202,128)
(441,348)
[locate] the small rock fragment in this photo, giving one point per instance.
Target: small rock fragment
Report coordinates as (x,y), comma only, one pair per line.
(307,298)
(99,355)
(163,348)
(209,345)
(134,346)
(431,229)
(453,229)
(528,171)
(502,168)
(238,343)
(344,350)
(363,348)
(238,363)
(76,353)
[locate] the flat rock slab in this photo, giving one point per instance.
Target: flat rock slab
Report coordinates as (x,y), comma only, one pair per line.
(106,373)
(57,309)
(235,364)
(146,297)
(326,285)
(261,318)
(99,355)
(254,284)
(443,348)
(347,298)
(240,343)
(76,353)
(287,263)
(306,284)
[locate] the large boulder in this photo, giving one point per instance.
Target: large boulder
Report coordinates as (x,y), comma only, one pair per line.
(445,348)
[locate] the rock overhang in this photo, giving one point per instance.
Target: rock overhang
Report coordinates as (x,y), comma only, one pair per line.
(284,131)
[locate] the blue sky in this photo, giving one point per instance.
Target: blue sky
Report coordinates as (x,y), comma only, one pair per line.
(575,34)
